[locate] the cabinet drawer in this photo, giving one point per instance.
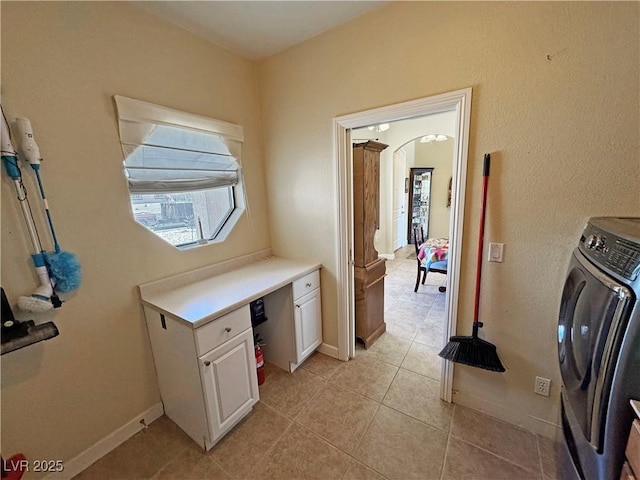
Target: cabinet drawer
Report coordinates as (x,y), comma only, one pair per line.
(217,332)
(304,285)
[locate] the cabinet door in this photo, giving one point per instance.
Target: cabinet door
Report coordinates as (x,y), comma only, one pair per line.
(371,204)
(230,383)
(366,202)
(308,324)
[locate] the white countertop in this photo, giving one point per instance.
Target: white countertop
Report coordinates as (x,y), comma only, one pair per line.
(200,302)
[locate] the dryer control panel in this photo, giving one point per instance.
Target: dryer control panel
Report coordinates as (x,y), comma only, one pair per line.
(604,247)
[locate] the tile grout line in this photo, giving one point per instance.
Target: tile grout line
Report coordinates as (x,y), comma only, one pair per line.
(421,374)
(313,397)
(503,423)
(446,447)
(364,432)
(494,454)
(540,457)
(347,387)
(267,452)
(169,462)
(389,386)
(222,467)
(350,455)
(317,374)
(448,431)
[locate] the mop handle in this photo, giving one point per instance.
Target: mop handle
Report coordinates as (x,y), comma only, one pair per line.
(12,170)
(22,198)
(56,246)
(31,153)
(485,183)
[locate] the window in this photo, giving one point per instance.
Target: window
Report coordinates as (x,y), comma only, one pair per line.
(183,172)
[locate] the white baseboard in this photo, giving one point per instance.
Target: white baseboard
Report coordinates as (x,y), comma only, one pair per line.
(98,450)
(387,256)
(329,350)
(531,423)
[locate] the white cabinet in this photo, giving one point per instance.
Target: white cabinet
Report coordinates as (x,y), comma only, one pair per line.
(308,324)
(294,326)
(200,330)
(230,384)
(207,376)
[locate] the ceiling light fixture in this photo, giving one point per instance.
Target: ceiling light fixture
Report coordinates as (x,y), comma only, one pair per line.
(433,138)
(381,127)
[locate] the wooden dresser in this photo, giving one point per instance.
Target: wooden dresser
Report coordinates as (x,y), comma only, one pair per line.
(369,269)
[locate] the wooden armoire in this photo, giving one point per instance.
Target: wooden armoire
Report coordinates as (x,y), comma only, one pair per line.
(369,269)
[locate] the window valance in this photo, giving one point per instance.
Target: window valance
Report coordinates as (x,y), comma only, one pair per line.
(167,150)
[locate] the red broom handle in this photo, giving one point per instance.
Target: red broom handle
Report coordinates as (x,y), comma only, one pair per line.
(485,183)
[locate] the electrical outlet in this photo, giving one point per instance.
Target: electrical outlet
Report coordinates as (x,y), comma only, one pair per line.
(542,386)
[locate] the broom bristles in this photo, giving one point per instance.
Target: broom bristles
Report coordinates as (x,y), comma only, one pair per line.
(474,352)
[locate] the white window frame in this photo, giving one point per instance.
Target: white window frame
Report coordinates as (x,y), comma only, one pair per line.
(132,113)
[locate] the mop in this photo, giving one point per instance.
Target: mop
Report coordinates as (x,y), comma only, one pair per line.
(64,266)
(44,297)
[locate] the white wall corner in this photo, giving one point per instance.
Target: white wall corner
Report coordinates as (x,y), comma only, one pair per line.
(329,350)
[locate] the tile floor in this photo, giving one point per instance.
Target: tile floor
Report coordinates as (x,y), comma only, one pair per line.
(377,416)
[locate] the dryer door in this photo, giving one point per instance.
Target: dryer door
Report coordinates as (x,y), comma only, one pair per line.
(591,310)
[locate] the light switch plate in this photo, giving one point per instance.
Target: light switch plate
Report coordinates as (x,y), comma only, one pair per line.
(496,251)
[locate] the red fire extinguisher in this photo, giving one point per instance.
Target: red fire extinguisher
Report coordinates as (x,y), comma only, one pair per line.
(259,360)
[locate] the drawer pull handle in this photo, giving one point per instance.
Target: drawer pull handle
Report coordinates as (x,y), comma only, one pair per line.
(298,306)
(227,329)
(308,285)
(207,363)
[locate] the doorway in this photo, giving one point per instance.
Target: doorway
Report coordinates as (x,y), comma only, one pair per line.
(458,103)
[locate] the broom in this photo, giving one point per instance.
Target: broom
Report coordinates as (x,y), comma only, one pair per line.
(472,350)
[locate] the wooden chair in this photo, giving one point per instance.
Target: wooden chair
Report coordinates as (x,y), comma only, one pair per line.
(437,267)
(418,235)
(421,268)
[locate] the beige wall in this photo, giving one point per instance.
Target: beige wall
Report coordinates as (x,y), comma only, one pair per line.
(439,156)
(555,100)
(61,64)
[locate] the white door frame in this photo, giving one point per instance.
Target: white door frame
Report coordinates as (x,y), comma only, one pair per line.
(458,101)
(398,234)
